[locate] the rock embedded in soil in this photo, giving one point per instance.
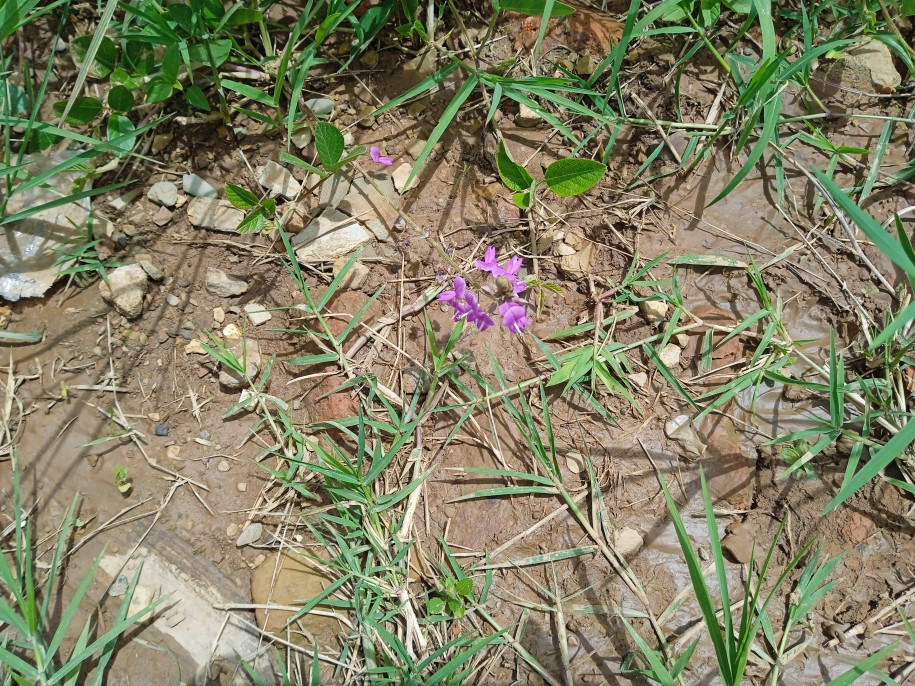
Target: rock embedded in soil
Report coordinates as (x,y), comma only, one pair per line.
(278,180)
(150,267)
(103,228)
(357,276)
(321,106)
(257,314)
(160,141)
(248,353)
(628,542)
(329,236)
(680,429)
(125,289)
(579,264)
(527,118)
(162,216)
(654,310)
(198,187)
(162,429)
(251,534)
(218,215)
(370,207)
(163,193)
(333,190)
(867,66)
(221,284)
(400,176)
(670,355)
(738,543)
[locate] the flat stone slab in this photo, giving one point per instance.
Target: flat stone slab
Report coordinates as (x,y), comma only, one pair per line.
(211,213)
(330,235)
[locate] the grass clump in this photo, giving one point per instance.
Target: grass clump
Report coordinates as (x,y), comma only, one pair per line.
(33,633)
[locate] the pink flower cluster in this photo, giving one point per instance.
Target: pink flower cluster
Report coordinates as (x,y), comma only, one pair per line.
(504,295)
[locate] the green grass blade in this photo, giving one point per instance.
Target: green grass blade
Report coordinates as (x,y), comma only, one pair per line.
(878,462)
(450,112)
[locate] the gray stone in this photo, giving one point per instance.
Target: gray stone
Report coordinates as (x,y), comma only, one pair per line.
(257,313)
(320,106)
(125,289)
(278,180)
(248,353)
(102,228)
(370,207)
(163,193)
(196,186)
(221,284)
(152,271)
(219,215)
(251,534)
(329,236)
(121,202)
(334,189)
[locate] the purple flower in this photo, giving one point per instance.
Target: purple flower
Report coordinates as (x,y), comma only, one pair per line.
(379,158)
(512,310)
(514,317)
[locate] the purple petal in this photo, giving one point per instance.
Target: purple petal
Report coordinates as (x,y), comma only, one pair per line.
(447,296)
(379,158)
(514,264)
(488,263)
(513,316)
(460,286)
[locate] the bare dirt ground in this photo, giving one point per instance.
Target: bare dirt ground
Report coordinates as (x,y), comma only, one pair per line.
(198,479)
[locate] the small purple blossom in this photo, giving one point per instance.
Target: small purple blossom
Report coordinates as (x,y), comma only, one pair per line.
(514,316)
(378,157)
(511,309)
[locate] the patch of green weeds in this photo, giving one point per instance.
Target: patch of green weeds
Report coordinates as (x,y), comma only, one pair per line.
(79,260)
(735,636)
(31,645)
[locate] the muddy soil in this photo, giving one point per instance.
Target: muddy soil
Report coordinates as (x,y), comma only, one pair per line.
(198,477)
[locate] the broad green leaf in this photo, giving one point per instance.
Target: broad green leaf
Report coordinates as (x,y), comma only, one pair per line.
(13,99)
(242,198)
(329,143)
(241,16)
(464,586)
(513,174)
(197,98)
(522,200)
(119,125)
(435,606)
(120,99)
(211,54)
(83,110)
(158,89)
(534,8)
(120,77)
(253,222)
(105,57)
(171,62)
(573,176)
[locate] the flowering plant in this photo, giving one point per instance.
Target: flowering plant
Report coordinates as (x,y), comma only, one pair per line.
(503,293)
